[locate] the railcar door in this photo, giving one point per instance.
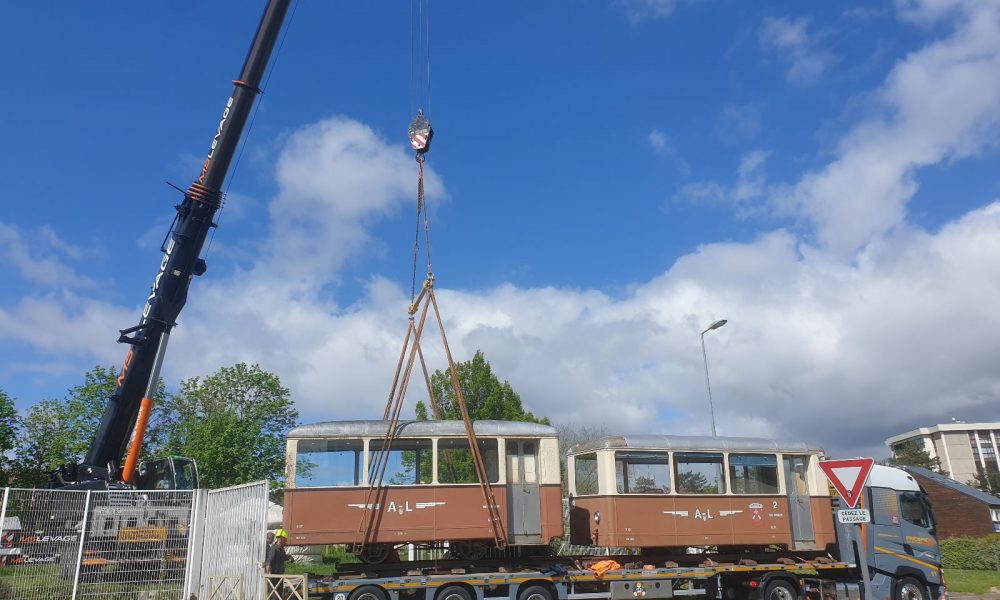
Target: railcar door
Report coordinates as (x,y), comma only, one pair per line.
(799,504)
(523,499)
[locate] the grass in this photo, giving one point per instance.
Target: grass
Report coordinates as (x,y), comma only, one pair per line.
(962,581)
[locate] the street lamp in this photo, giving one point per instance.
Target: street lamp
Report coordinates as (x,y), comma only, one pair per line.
(708,383)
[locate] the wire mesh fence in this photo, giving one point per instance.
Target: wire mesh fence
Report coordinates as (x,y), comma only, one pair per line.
(135,542)
(94,544)
(40,541)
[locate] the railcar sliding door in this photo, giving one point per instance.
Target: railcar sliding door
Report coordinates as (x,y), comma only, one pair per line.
(799,505)
(523,499)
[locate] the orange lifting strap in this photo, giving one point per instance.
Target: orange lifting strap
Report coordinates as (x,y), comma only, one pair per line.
(420,135)
(411,346)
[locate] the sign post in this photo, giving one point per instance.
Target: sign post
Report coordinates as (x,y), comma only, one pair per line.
(849,478)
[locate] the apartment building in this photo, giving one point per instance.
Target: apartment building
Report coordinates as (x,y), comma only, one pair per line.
(963,448)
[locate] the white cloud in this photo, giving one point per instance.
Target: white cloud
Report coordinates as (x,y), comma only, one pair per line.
(67,324)
(662,144)
(739,120)
(637,11)
(790,40)
(40,256)
(941,103)
(333,177)
(810,337)
(750,185)
(657,139)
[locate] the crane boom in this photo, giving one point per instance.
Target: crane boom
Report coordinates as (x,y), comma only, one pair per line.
(131,401)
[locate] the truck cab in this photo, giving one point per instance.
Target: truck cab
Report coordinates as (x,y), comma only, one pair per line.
(171,473)
(904,558)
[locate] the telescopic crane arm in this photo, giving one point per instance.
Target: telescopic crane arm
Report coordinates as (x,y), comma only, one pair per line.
(128,408)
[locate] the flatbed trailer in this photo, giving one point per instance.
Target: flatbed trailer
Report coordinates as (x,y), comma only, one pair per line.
(812,579)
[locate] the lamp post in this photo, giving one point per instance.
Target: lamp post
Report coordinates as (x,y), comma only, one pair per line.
(708,384)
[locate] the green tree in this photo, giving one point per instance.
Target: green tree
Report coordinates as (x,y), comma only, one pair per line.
(9,426)
(987,481)
(233,423)
(83,407)
(43,443)
(485,396)
(59,432)
(914,455)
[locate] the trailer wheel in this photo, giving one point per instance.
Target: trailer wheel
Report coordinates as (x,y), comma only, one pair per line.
(535,592)
(454,592)
(909,588)
(369,592)
(780,589)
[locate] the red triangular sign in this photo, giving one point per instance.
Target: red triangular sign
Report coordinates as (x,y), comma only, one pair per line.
(848,476)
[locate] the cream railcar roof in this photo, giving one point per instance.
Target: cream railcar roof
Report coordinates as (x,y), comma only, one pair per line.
(695,443)
(417,429)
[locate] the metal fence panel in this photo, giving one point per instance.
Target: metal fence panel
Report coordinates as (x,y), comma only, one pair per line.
(235,525)
(93,544)
(40,542)
(136,541)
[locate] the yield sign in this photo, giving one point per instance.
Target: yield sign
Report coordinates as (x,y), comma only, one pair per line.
(848,476)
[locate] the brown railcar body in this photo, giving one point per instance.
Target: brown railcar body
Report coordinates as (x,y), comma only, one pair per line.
(682,521)
(408,514)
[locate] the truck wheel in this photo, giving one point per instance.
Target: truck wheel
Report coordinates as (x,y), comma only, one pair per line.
(779,589)
(369,592)
(909,588)
(454,592)
(535,592)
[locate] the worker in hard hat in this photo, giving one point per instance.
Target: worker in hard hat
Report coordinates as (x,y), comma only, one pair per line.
(274,562)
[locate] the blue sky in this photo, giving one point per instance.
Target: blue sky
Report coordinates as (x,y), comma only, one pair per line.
(607,178)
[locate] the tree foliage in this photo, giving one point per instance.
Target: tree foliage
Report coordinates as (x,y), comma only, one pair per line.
(59,432)
(913,455)
(485,396)
(571,434)
(232,423)
(987,481)
(43,443)
(82,410)
(9,427)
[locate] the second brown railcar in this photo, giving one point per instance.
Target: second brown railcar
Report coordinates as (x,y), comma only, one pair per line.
(664,491)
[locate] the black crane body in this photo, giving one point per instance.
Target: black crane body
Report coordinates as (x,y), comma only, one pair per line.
(126,414)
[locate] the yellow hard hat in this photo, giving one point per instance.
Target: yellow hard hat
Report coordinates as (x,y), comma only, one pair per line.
(280,533)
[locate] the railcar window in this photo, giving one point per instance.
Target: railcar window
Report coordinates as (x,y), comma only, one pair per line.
(912,509)
(885,506)
(455,461)
(642,472)
(530,474)
(328,463)
(409,461)
(585,474)
(699,473)
(753,473)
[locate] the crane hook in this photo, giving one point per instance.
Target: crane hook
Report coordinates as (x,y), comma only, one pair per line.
(421,132)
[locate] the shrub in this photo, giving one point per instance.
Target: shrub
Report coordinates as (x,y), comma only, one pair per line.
(971,553)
